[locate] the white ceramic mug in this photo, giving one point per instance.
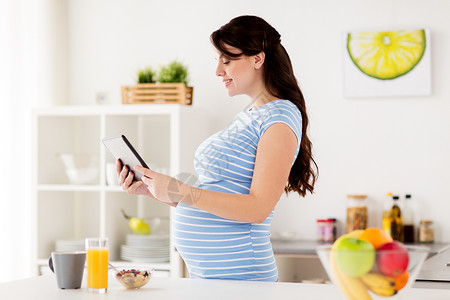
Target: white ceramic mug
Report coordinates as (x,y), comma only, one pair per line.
(111,175)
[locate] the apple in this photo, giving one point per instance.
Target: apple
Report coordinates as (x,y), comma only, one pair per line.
(392,259)
(353,234)
(353,256)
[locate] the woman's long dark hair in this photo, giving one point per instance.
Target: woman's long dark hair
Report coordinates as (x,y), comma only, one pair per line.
(253,35)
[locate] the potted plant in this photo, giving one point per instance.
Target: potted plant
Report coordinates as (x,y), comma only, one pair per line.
(146,75)
(173,72)
(170,86)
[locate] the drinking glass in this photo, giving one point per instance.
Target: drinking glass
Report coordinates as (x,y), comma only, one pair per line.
(97,264)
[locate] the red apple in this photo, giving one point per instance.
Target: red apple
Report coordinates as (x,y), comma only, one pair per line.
(392,259)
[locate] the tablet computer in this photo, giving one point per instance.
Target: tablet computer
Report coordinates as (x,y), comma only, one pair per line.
(121,148)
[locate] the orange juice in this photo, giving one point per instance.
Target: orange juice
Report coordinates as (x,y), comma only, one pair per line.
(97,268)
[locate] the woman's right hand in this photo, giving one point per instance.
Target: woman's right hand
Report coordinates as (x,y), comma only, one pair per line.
(128,185)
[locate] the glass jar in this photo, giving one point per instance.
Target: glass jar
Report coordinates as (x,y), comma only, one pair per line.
(356,212)
(320,230)
(426,232)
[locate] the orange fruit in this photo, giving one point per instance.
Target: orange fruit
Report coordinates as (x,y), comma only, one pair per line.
(401,281)
(376,236)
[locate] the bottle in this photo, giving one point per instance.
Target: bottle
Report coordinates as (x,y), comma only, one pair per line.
(386,221)
(408,220)
(396,220)
(426,232)
(356,212)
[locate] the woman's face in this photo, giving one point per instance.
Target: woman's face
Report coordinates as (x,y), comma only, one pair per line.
(239,75)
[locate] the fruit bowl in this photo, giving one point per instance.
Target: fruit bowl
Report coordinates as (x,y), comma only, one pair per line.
(368,274)
(133,278)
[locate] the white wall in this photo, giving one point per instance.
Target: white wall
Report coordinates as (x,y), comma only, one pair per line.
(361,145)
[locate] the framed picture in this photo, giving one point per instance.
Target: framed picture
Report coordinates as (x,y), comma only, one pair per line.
(387,63)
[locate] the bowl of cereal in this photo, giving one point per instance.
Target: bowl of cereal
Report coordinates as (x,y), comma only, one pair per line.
(133,278)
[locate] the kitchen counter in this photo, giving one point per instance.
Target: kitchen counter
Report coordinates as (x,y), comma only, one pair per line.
(44,287)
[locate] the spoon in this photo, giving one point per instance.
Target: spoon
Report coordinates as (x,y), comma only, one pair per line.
(114,268)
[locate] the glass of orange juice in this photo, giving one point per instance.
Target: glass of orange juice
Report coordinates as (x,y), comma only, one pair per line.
(97,264)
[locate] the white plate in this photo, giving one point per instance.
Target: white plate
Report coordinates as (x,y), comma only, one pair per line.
(144,252)
(146,260)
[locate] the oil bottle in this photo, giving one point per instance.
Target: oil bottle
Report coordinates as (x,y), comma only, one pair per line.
(386,221)
(408,220)
(396,220)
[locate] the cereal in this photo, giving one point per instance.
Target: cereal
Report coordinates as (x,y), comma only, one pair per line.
(133,279)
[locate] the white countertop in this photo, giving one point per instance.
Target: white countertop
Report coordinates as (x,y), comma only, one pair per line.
(44,287)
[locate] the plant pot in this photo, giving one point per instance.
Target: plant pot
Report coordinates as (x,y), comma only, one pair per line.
(157,93)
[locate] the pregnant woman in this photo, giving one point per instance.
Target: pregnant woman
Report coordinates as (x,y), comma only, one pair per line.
(222,224)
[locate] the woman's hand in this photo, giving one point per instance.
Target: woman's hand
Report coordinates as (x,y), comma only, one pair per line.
(128,185)
(163,188)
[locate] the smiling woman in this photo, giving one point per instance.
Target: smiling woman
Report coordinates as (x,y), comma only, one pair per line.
(221,226)
(17,62)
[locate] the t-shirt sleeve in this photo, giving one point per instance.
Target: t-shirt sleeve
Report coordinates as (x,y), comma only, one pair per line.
(283,113)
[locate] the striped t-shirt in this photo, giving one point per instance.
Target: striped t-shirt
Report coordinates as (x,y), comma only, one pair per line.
(218,248)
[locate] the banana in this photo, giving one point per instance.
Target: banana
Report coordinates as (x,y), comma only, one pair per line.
(352,287)
(379,284)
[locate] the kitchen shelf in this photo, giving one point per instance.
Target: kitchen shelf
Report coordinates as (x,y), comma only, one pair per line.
(74,188)
(166,136)
(68,187)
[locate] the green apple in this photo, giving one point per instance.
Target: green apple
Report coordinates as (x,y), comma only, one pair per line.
(354,257)
(353,234)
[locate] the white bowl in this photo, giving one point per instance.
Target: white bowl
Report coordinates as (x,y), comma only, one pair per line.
(81,168)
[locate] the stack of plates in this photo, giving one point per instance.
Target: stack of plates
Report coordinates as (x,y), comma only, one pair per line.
(69,245)
(146,248)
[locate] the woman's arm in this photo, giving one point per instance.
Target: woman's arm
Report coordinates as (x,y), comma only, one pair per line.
(274,157)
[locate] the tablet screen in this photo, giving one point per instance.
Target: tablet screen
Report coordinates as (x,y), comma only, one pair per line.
(121,148)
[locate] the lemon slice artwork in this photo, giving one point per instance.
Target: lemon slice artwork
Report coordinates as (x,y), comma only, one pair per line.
(386,55)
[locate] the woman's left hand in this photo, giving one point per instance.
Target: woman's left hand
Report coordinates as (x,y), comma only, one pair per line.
(164,188)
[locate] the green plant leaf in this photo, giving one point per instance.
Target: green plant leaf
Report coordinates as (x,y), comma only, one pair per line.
(146,75)
(174,72)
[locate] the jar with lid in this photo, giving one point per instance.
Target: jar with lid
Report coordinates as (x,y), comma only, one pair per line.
(356,212)
(426,232)
(320,230)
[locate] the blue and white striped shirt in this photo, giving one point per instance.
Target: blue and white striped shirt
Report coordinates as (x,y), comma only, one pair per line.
(218,248)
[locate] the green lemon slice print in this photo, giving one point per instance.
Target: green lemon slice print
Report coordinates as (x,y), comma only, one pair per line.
(386,55)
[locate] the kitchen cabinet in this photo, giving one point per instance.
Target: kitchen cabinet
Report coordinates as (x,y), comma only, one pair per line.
(165,135)
(298,261)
